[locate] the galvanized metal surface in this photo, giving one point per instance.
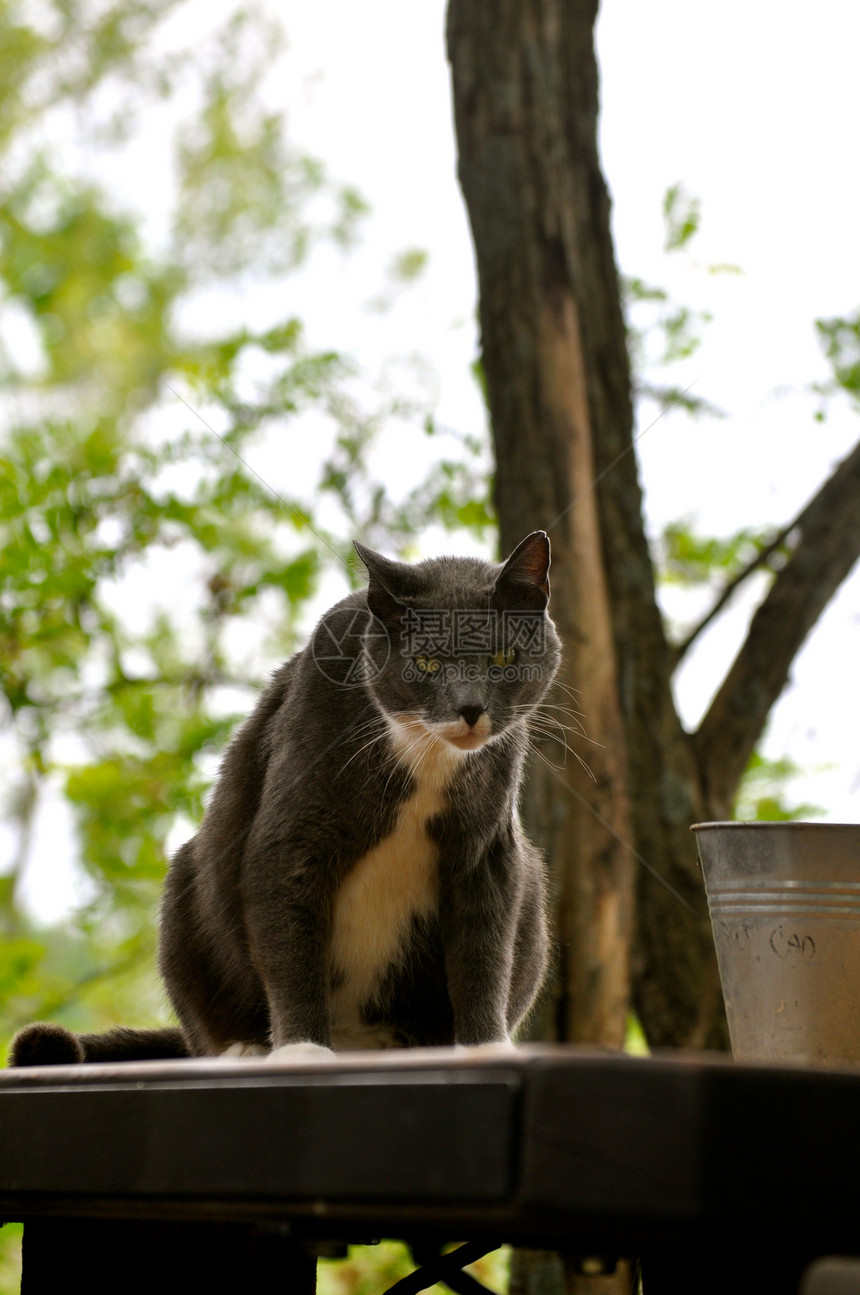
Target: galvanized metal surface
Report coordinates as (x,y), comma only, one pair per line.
(784,900)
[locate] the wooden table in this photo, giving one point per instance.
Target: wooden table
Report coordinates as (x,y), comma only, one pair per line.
(718,1177)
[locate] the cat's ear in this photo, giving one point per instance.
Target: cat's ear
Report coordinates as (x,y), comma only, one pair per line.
(386,579)
(524,579)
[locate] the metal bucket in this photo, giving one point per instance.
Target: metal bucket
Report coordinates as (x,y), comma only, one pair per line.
(784,900)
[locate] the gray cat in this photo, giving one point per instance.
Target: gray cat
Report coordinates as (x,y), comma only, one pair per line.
(361,878)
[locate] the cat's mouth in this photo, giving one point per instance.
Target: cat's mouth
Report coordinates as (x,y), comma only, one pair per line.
(465,736)
(414,732)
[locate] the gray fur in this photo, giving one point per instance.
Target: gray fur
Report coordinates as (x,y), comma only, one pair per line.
(318,780)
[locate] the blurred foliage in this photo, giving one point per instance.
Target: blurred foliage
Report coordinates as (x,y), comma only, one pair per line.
(150,575)
(682,215)
(663,333)
(764,794)
(10,1258)
(841,341)
(687,558)
(635,1042)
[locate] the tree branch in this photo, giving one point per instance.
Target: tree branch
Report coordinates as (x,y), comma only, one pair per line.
(827,547)
(680,650)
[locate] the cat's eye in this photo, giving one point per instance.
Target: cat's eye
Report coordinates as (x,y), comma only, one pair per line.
(427,664)
(503,657)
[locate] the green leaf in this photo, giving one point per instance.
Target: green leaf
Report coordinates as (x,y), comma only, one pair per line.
(682,215)
(840,337)
(687,558)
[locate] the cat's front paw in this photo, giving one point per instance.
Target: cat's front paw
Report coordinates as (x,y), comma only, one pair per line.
(305,1051)
(245,1050)
(501,1048)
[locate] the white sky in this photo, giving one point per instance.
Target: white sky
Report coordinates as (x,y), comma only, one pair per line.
(754,109)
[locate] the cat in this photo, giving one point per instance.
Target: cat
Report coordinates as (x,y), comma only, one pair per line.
(361,878)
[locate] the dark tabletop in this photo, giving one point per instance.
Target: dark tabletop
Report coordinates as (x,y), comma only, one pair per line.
(542,1146)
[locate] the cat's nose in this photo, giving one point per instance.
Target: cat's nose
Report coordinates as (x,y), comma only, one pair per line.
(471,714)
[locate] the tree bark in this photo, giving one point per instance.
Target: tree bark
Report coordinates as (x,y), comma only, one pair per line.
(558,383)
(553,346)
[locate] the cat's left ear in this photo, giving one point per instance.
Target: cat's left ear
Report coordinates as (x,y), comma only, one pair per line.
(524,579)
(385,581)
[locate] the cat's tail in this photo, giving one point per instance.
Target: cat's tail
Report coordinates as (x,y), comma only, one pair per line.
(54,1045)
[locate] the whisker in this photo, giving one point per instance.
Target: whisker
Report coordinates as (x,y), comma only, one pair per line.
(574,727)
(549,726)
(573,693)
(544,710)
(565,710)
(549,764)
(554,733)
(554,768)
(535,718)
(533,746)
(417,751)
(360,733)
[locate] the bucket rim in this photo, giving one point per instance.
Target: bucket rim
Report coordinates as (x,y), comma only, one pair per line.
(774,824)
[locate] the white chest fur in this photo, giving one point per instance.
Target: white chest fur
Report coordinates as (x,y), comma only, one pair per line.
(393,882)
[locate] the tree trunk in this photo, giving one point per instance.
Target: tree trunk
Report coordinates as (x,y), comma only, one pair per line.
(558,383)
